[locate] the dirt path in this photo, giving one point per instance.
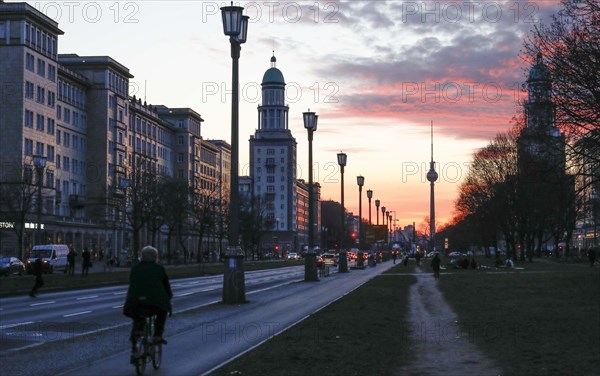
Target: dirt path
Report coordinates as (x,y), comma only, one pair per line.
(441,348)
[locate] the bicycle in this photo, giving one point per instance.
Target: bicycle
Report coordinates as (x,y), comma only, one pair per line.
(145,348)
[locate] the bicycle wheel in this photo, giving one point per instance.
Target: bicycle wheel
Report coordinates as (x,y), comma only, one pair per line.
(141,354)
(157,356)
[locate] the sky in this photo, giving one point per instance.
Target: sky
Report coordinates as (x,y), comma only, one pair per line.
(376,72)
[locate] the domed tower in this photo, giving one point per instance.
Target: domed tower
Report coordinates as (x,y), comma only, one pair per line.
(273,113)
(273,162)
(539,108)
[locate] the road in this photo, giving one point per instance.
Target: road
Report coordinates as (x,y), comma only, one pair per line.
(84,331)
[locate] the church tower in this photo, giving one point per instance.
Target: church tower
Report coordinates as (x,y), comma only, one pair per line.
(273,161)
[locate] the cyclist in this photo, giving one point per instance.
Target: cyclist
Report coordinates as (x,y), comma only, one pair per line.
(149,294)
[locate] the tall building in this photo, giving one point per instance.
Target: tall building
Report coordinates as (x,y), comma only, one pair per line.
(546,198)
(273,160)
(75,113)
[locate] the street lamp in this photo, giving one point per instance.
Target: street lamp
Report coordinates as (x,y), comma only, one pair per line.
(360,180)
(383,215)
(377,202)
(39,162)
(343,268)
(235,25)
(369,196)
(389,222)
(310,264)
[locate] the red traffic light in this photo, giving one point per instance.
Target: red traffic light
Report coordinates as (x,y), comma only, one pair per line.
(277,248)
(354,235)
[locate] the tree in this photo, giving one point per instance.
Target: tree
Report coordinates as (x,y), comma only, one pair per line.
(570,46)
(175,197)
(16,204)
(203,213)
(254,221)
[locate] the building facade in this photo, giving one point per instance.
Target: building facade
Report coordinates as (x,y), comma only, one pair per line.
(75,114)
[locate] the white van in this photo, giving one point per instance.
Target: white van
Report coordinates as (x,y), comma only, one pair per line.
(53,254)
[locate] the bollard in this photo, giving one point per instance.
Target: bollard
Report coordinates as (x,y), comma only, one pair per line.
(234,285)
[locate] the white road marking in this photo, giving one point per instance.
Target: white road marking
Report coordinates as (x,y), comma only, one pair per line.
(87,297)
(118,306)
(13,325)
(76,314)
(42,303)
(120,293)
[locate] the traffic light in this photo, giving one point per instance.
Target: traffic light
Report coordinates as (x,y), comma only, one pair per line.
(277,248)
(354,235)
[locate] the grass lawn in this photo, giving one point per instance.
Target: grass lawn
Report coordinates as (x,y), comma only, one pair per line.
(331,343)
(543,320)
(15,285)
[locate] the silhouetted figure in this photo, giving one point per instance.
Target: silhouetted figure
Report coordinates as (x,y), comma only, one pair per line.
(435,265)
(394,255)
(592,256)
(37,272)
(473,263)
(86,255)
(418,258)
(71,260)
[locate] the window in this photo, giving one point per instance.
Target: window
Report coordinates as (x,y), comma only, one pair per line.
(49,178)
(28,147)
(41,94)
(28,119)
(39,148)
(270,151)
(59,112)
(66,163)
(270,179)
(29,88)
(51,98)
(180,157)
(30,62)
(180,140)
(67,116)
(50,153)
(52,73)
(50,126)
(67,140)
(39,125)
(41,68)
(58,137)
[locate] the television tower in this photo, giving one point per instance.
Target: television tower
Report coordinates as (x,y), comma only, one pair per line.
(432,176)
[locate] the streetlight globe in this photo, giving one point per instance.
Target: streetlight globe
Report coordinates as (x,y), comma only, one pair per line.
(232,20)
(360,180)
(342,159)
(310,120)
(369,194)
(377,202)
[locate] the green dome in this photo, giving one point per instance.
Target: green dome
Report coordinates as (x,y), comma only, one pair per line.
(273,76)
(539,71)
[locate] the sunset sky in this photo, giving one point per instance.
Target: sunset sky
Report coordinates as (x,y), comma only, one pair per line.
(376,72)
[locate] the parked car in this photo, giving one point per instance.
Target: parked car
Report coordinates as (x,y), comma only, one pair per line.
(454,254)
(11,265)
(293,256)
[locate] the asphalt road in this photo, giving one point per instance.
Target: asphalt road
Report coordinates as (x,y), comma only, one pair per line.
(84,331)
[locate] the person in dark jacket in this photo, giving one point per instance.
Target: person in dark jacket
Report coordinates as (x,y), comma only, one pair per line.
(149,294)
(435,265)
(71,260)
(37,272)
(86,263)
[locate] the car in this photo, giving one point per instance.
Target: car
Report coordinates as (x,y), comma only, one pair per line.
(293,256)
(454,254)
(47,267)
(329,259)
(11,265)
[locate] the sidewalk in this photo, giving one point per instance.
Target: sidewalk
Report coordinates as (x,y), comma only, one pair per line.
(441,347)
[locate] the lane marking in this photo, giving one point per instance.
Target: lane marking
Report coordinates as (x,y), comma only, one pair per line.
(14,325)
(120,293)
(76,314)
(87,297)
(118,306)
(42,303)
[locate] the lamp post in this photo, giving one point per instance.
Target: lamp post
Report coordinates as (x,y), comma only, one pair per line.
(389,221)
(369,196)
(39,162)
(123,184)
(235,25)
(343,268)
(360,180)
(377,202)
(383,216)
(310,264)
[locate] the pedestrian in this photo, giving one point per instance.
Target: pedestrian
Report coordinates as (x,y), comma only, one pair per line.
(418,258)
(71,260)
(394,255)
(405,261)
(592,256)
(435,265)
(473,263)
(37,272)
(86,262)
